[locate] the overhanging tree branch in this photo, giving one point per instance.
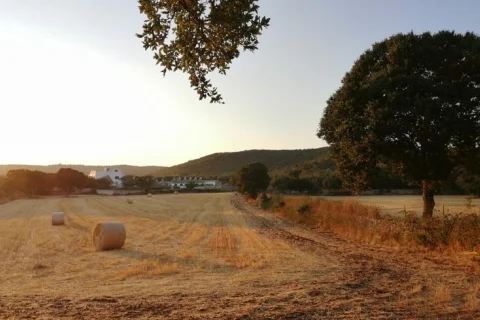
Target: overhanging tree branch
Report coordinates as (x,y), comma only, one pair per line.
(198,37)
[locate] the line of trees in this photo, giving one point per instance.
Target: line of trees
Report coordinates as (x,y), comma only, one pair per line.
(29,183)
(303,180)
(254,178)
(142,182)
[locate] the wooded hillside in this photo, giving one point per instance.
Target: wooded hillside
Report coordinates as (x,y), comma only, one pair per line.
(227,163)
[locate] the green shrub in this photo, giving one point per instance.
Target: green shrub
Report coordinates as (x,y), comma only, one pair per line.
(263,201)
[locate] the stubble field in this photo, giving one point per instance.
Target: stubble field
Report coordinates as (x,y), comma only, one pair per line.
(212,256)
(395,204)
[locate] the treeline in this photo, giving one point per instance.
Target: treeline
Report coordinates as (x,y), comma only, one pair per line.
(321,174)
(140,182)
(29,183)
(309,177)
(126,169)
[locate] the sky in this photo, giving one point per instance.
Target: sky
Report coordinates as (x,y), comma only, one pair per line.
(77,87)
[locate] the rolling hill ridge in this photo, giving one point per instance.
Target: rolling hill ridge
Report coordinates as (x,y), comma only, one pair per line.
(227,163)
(216,164)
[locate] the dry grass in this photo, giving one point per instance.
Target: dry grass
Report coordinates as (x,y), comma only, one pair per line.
(442,294)
(246,260)
(150,268)
(395,205)
(167,235)
(206,256)
(416,289)
(347,218)
(222,241)
(472,298)
(39,266)
(364,223)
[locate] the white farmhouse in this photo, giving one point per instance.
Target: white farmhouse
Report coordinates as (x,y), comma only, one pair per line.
(114,174)
(200,183)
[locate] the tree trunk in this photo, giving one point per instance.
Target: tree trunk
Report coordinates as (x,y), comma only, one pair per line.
(428,201)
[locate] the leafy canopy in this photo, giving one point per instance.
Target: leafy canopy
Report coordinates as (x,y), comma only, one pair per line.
(410,103)
(68,179)
(252,179)
(200,36)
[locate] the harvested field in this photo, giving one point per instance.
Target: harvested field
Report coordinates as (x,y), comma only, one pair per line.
(394,204)
(212,256)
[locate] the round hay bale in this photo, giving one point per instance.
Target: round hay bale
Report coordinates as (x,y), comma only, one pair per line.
(129,201)
(109,235)
(149,195)
(58,219)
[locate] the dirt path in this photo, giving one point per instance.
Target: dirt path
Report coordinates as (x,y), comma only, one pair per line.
(211,257)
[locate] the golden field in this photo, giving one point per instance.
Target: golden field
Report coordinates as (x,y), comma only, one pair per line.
(212,256)
(395,204)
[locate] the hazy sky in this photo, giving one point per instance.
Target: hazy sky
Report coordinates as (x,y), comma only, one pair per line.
(77,87)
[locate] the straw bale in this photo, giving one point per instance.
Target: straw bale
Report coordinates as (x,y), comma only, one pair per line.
(109,235)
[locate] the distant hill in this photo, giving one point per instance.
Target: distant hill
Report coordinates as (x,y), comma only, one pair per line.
(126,169)
(227,163)
(217,164)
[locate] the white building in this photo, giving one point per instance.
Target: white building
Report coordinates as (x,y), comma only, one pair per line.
(113,173)
(200,183)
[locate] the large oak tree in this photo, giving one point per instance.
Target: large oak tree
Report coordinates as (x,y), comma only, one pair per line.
(200,36)
(410,103)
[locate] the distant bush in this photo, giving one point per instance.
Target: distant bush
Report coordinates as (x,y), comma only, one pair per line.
(252,179)
(263,201)
(269,203)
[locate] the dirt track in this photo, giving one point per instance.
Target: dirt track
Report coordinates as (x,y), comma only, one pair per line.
(211,257)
